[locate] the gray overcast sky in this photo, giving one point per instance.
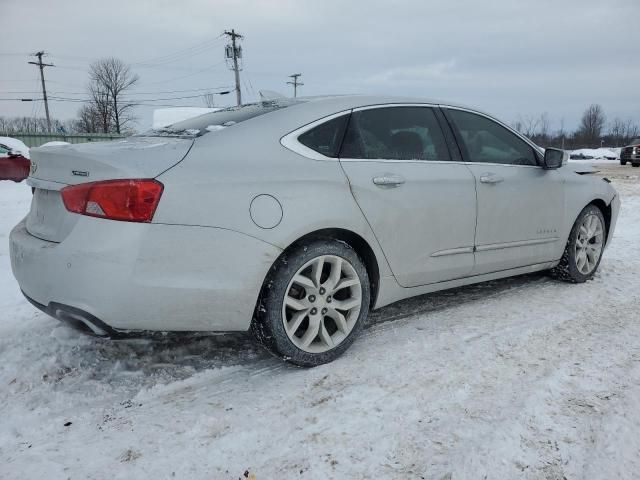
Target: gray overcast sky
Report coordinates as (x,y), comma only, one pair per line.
(508,57)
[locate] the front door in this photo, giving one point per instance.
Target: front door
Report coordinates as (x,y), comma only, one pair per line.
(420,204)
(520,204)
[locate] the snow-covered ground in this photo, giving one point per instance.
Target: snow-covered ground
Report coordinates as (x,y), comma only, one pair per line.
(521,378)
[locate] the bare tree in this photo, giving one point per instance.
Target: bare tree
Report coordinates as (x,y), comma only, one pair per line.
(209,100)
(14,125)
(113,77)
(631,130)
(592,124)
(528,125)
(543,125)
(616,128)
(89,121)
(101,108)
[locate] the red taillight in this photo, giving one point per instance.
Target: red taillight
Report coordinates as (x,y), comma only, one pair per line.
(125,200)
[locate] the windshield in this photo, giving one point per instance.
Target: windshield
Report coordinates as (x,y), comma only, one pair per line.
(209,122)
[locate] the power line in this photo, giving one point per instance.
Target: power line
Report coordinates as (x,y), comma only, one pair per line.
(183,53)
(235,51)
(295,83)
(79,100)
(128,100)
(44,90)
(211,67)
(202,89)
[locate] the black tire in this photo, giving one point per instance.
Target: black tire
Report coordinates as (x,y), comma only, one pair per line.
(635,164)
(268,325)
(567,269)
(623,162)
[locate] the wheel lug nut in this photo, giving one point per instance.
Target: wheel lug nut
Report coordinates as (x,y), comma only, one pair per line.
(322,290)
(314,311)
(324,310)
(329,299)
(312,298)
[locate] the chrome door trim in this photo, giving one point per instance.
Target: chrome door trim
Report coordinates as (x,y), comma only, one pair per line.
(452,251)
(518,243)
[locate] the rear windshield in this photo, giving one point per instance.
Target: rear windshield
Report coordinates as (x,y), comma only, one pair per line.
(209,122)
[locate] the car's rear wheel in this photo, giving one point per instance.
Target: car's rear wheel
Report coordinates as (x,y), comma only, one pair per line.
(635,164)
(623,162)
(314,303)
(584,248)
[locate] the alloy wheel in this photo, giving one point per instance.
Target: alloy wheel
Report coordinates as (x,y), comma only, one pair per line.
(589,243)
(322,304)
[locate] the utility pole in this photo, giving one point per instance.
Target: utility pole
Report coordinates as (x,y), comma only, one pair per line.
(295,83)
(44,90)
(235,52)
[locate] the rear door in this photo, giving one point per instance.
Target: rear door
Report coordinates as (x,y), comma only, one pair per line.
(419,201)
(520,204)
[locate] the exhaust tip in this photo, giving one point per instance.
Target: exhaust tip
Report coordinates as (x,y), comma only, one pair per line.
(75,318)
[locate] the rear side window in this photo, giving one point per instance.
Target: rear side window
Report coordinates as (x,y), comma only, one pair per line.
(489,142)
(327,137)
(395,133)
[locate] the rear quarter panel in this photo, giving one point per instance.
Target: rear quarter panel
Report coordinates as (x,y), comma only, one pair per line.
(225,170)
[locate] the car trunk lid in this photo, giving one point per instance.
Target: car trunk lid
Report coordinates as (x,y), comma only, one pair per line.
(53,168)
(135,157)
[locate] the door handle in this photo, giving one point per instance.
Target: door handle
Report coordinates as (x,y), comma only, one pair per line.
(490,178)
(388,180)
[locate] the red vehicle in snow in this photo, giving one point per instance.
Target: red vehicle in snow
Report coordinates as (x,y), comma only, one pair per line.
(13,165)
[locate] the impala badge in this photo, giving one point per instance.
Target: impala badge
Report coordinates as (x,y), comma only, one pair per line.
(79,173)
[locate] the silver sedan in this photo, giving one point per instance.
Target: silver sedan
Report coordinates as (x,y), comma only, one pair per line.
(294,218)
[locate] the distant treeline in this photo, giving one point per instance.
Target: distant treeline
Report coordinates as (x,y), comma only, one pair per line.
(593,131)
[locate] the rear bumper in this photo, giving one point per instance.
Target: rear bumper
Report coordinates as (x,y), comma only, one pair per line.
(74,317)
(131,276)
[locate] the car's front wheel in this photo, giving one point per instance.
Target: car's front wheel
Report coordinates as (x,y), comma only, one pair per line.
(313,304)
(583,252)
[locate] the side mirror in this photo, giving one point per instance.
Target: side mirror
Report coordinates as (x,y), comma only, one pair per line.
(554,158)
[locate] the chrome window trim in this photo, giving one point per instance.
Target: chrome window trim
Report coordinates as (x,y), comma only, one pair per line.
(290,140)
(535,147)
(389,160)
(392,105)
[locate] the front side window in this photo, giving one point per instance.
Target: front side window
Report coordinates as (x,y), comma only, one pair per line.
(489,142)
(395,133)
(326,137)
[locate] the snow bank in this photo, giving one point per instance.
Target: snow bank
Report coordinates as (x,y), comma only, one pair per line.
(163,117)
(55,143)
(15,145)
(595,153)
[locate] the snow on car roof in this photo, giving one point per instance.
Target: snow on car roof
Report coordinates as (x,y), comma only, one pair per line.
(15,145)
